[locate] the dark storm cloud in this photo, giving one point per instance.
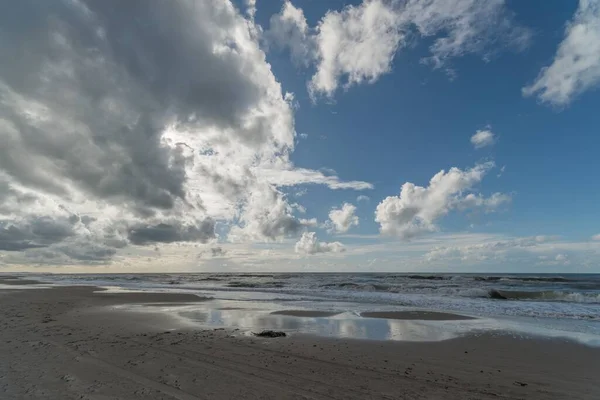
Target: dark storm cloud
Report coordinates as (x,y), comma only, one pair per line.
(65,254)
(86,89)
(198,84)
(123,118)
(33,233)
(86,251)
(68,108)
(170,233)
(10,198)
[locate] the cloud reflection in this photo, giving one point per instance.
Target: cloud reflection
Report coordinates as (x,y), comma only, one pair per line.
(345,325)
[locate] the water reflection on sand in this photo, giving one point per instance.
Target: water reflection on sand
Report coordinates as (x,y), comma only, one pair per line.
(221,314)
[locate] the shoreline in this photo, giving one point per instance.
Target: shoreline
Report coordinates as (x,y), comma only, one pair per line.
(68,342)
(321,319)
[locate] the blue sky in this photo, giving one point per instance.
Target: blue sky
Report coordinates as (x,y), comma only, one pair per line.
(415,121)
(239,136)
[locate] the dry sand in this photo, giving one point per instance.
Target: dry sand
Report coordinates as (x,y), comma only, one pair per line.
(69,343)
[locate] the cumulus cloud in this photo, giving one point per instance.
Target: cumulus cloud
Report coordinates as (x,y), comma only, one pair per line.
(487,204)
(146,122)
(308,244)
(251,8)
(417,209)
(309,222)
(596,237)
(267,216)
(358,43)
(342,219)
(576,65)
(483,138)
(289,29)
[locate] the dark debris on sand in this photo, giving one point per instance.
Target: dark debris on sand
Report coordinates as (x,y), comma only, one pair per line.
(270,334)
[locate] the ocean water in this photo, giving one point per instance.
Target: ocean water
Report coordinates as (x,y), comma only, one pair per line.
(565,305)
(574,296)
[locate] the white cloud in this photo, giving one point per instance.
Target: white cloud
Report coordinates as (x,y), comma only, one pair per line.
(468,26)
(266,216)
(576,65)
(362,198)
(596,237)
(358,43)
(308,244)
(289,29)
(483,138)
(417,209)
(251,8)
(309,223)
(287,176)
(488,204)
(493,250)
(342,219)
(163,132)
(501,171)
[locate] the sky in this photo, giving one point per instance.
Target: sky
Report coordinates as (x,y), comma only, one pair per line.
(270,135)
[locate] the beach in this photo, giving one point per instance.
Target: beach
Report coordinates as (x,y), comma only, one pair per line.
(78,342)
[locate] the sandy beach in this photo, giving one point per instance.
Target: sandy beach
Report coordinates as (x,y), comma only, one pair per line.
(72,343)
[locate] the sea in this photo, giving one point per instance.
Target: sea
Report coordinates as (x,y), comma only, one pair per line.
(554,305)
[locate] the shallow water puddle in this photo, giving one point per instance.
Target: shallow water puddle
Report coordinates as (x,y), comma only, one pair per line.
(346,324)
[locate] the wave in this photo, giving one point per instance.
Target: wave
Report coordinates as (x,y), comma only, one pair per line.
(470,292)
(238,284)
(522,278)
(479,278)
(488,278)
(429,277)
(342,285)
(363,287)
(578,289)
(547,295)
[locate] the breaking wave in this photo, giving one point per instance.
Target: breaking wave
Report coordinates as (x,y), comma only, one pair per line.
(547,295)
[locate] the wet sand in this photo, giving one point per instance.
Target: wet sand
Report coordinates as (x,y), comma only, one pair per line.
(415,315)
(72,343)
(305,313)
